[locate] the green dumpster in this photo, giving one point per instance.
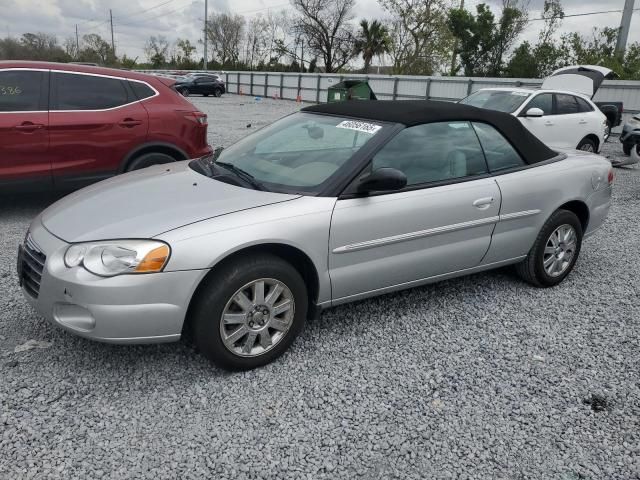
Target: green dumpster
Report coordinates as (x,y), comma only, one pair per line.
(350,90)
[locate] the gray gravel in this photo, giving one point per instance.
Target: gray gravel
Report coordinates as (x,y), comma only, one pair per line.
(482,377)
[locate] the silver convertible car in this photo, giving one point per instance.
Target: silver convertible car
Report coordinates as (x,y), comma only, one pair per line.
(329,205)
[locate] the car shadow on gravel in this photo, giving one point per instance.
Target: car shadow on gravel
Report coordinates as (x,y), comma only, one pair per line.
(23,205)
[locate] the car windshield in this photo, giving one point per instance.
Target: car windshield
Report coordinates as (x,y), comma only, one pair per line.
(299,153)
(501,100)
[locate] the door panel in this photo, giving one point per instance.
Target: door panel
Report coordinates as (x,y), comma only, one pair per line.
(92,134)
(568,121)
(542,127)
(24,127)
(385,240)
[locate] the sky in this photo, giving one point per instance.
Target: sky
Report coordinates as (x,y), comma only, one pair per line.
(136,20)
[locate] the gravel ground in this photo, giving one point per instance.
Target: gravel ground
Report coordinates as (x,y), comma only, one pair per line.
(482,377)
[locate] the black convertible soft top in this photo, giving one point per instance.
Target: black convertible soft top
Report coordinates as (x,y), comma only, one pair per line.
(415,112)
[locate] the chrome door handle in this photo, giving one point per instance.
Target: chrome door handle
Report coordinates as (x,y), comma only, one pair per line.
(483,203)
(583,122)
(548,123)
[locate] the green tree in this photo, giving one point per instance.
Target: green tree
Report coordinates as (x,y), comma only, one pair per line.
(539,60)
(483,41)
(372,41)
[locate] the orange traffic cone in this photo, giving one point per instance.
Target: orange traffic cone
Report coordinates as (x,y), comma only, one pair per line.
(298,99)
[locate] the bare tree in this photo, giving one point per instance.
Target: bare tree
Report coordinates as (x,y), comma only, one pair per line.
(70,47)
(325,28)
(96,49)
(157,49)
(278,27)
(225,33)
(256,41)
(419,37)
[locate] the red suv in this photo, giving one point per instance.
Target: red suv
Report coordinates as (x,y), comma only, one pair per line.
(64,126)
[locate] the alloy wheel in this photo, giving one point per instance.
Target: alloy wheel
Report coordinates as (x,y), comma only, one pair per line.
(560,250)
(257,317)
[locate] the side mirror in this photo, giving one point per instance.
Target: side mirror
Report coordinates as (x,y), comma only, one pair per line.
(534,112)
(382,179)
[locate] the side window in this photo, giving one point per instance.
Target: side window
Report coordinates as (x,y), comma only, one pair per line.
(142,90)
(20,91)
(88,92)
(544,102)
(498,151)
(583,105)
(566,104)
(433,152)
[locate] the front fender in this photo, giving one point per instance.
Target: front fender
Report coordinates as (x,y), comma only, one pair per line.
(302,223)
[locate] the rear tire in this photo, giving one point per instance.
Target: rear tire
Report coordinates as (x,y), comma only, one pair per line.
(626,149)
(149,159)
(229,332)
(547,251)
(587,145)
(185,92)
(607,131)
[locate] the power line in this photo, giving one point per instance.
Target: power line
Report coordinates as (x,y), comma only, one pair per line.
(161,14)
(583,14)
(147,9)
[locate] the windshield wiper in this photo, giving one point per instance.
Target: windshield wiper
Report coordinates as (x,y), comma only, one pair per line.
(243,174)
(206,162)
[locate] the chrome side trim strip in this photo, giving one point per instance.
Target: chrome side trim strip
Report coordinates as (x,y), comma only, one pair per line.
(514,215)
(415,235)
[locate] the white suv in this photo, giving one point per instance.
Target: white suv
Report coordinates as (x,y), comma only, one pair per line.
(560,118)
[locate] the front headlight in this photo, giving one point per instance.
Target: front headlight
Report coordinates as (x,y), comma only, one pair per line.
(118,256)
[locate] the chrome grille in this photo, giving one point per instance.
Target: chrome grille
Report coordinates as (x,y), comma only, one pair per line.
(32,265)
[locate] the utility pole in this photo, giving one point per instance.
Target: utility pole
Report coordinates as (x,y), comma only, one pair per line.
(113,44)
(302,56)
(206,13)
(77,43)
(455,48)
(625,23)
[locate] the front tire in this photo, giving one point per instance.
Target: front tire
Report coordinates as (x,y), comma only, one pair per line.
(555,251)
(217,93)
(587,145)
(249,312)
(149,159)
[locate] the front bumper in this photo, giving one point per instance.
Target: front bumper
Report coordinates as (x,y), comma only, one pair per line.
(141,308)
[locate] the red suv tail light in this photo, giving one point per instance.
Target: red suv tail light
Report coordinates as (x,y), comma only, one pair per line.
(611,177)
(198,117)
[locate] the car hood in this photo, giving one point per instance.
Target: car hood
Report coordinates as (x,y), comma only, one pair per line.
(148,202)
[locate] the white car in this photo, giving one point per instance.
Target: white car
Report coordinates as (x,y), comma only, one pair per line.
(560,118)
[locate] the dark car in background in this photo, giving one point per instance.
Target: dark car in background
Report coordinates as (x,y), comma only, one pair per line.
(64,126)
(201,84)
(613,111)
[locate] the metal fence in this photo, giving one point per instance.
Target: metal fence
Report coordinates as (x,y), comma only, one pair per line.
(313,87)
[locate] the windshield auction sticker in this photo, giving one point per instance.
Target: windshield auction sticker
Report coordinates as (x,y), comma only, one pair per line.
(365,127)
